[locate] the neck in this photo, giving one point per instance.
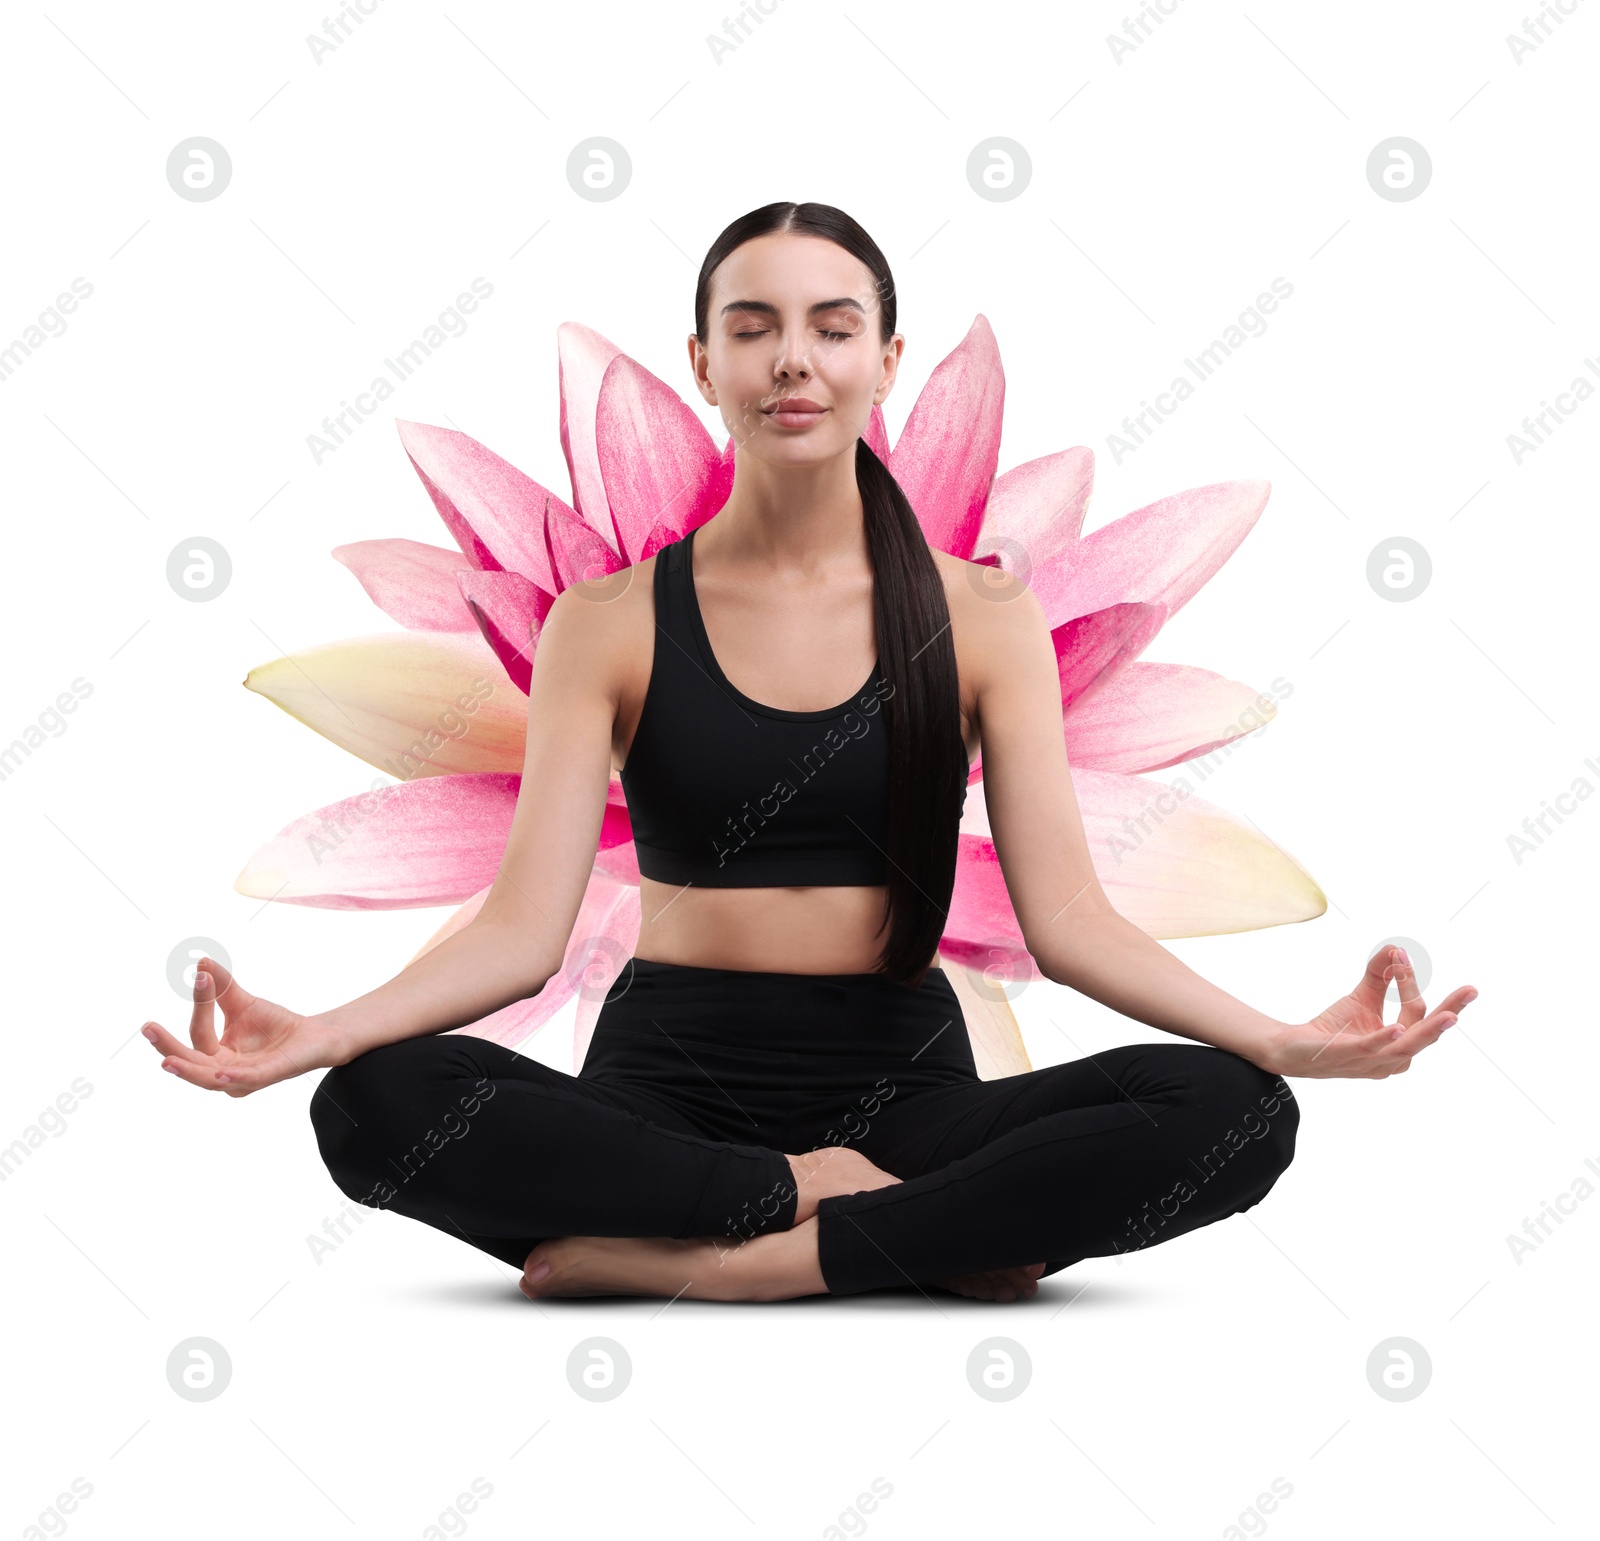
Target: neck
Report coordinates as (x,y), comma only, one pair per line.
(790,516)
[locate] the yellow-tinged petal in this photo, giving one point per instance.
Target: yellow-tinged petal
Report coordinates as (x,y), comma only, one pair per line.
(1171,862)
(997,1047)
(1177,865)
(413,703)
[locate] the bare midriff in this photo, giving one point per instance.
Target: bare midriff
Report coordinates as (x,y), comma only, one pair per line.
(823,930)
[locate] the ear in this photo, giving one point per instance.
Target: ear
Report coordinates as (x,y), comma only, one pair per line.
(697,354)
(891,367)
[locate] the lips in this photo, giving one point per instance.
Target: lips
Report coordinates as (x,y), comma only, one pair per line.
(794,404)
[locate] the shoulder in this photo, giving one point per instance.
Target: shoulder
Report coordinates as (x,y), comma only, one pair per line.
(603,627)
(992,613)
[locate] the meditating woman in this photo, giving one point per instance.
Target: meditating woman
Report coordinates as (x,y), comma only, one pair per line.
(780,1098)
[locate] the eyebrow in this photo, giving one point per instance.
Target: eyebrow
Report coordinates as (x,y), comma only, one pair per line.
(764,308)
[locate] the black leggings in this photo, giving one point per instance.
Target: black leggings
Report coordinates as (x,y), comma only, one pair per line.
(698,1082)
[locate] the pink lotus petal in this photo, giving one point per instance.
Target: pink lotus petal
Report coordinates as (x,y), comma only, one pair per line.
(602,940)
(493,512)
(411,582)
(1163,553)
(1152,715)
(1172,863)
(1092,649)
(1033,520)
(577,554)
(514,1023)
(946,455)
(460,917)
(616,829)
(621,861)
(982,927)
(661,471)
(509,611)
(435,840)
(582,356)
(410,703)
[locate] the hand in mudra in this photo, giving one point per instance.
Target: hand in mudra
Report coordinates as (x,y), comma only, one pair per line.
(1351,1038)
(261,1042)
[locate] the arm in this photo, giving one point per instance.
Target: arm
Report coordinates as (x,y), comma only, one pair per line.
(1068,924)
(470,974)
(519,936)
(1078,939)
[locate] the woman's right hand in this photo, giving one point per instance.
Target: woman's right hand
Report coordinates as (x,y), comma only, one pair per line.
(261,1042)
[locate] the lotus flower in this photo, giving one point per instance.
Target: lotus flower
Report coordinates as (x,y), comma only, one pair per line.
(441,705)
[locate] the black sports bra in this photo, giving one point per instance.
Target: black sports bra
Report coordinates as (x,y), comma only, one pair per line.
(725,792)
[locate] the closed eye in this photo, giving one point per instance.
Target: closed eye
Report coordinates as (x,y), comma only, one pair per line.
(762,333)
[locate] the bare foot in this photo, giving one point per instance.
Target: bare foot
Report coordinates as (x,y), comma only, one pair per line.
(778,1266)
(819,1174)
(1021,1283)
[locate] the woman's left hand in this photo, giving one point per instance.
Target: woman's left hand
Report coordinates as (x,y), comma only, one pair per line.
(1351,1038)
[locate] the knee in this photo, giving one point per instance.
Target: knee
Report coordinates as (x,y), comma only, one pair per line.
(1256,1102)
(1276,1106)
(342,1118)
(360,1109)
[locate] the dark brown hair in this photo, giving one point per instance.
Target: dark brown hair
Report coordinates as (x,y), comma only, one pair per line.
(928,760)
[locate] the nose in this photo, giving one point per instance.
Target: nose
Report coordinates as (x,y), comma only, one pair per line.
(793,363)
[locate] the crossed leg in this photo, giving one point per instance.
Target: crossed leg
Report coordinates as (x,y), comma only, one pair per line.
(1105,1154)
(502,1151)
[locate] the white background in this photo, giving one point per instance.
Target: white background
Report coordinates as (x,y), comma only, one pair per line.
(1168,1390)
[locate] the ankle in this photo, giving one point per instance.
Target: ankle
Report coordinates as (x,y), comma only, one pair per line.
(803,1170)
(777,1266)
(813,1181)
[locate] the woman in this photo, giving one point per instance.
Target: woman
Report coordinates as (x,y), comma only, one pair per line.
(780,1098)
